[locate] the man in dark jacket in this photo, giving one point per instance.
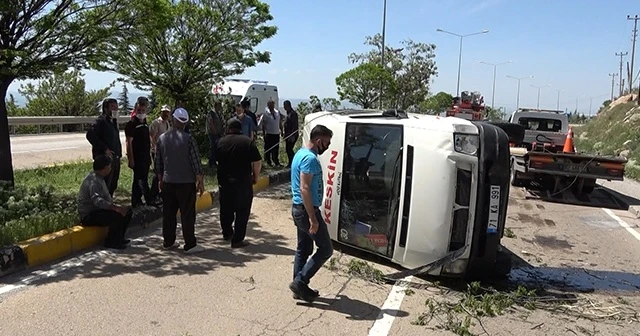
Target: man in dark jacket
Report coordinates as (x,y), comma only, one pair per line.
(104,137)
(290,130)
(139,153)
(239,165)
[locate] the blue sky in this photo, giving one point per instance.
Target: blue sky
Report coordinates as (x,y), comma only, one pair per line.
(569,44)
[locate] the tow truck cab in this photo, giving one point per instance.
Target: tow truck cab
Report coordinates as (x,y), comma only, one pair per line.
(414,188)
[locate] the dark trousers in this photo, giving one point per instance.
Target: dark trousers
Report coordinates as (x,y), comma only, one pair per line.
(117,224)
(290,144)
(140,184)
(304,268)
(213,143)
(235,205)
(155,192)
(271,156)
(112,179)
(179,196)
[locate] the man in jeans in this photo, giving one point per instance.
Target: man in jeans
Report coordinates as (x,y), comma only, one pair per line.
(104,137)
(307,190)
(178,162)
(96,207)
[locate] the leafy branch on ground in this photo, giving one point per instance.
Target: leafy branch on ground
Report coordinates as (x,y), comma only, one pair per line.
(461,312)
(356,268)
(509,233)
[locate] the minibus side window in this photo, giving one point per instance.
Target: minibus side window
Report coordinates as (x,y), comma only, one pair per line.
(370,190)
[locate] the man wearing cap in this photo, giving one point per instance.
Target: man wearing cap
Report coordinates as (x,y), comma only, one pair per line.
(96,207)
(215,129)
(156,129)
(239,164)
(178,163)
(104,138)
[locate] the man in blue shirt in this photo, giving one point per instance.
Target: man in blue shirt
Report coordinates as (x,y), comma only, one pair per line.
(248,126)
(307,189)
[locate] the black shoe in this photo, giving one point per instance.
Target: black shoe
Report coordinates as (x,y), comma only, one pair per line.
(239,244)
(227,238)
(315,292)
(302,291)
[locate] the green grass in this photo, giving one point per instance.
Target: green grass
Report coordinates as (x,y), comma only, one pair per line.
(608,133)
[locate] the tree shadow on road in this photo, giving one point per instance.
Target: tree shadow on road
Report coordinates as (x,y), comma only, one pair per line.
(146,255)
(355,310)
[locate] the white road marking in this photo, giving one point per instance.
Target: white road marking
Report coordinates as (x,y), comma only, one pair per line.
(389,309)
(622,223)
(43,150)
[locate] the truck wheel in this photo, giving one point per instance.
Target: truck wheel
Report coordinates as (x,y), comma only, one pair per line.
(503,265)
(515,181)
(514,131)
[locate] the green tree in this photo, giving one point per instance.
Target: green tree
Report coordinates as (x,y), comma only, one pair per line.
(331,104)
(40,37)
(437,103)
(205,41)
(62,94)
(492,114)
(361,85)
(412,67)
(13,110)
(123,99)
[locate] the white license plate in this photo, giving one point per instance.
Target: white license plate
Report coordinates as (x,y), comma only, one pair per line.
(494,208)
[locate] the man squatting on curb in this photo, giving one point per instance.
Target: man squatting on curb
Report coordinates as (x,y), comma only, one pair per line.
(307,190)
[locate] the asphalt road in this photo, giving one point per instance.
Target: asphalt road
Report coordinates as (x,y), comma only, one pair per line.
(586,253)
(31,151)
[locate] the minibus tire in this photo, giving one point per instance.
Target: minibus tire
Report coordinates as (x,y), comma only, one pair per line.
(503,265)
(514,131)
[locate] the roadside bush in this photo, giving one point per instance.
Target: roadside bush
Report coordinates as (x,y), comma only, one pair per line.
(28,212)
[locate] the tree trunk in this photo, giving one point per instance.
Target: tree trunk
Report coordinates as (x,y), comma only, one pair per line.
(6,164)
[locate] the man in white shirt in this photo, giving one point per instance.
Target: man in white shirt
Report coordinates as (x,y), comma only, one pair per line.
(156,129)
(271,121)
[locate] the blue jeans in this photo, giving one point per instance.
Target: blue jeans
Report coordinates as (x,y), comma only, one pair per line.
(304,268)
(213,143)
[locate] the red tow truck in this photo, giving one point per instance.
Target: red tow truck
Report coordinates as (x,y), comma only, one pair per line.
(469,106)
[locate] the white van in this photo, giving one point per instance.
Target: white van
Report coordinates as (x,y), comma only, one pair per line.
(415,189)
(258,93)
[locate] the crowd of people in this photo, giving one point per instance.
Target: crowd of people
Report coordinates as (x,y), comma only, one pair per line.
(167,149)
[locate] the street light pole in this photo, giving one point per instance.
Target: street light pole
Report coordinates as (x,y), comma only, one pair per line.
(493,90)
(558,101)
(539,88)
(518,95)
(460,52)
(384,23)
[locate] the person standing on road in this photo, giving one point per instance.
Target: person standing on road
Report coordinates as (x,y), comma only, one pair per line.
(104,138)
(215,130)
(239,164)
(307,190)
(156,129)
(178,162)
(248,126)
(96,207)
(246,107)
(139,153)
(271,122)
(291,127)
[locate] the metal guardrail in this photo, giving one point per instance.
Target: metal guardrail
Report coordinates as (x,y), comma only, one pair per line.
(55,120)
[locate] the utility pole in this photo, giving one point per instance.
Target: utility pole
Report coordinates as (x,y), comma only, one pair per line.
(558,101)
(613,83)
(384,23)
(633,49)
(518,94)
(460,52)
(590,104)
(493,90)
(621,54)
(539,88)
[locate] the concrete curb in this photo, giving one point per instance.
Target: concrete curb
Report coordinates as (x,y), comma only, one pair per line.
(50,247)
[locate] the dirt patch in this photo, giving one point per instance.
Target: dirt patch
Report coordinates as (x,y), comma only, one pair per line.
(550,222)
(528,206)
(540,206)
(550,242)
(530,219)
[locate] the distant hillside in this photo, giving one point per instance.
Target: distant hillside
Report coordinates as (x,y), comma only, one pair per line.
(615,131)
